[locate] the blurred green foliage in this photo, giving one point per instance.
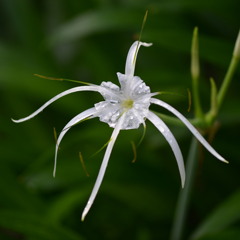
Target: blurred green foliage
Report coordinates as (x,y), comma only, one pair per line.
(88,41)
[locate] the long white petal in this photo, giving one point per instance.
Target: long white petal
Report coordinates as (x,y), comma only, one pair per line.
(190,127)
(94,88)
(162,127)
(81,116)
(103,166)
(132,55)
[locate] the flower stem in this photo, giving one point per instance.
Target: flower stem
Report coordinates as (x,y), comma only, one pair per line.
(176,122)
(231,70)
(227,80)
(216,102)
(195,70)
(184,196)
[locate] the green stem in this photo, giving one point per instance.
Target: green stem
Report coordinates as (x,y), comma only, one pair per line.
(176,122)
(196,99)
(195,72)
(184,196)
(227,80)
(216,102)
(212,114)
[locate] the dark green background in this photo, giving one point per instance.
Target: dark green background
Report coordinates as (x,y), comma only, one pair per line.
(89,41)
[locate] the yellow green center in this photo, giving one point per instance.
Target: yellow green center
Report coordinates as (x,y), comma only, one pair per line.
(127,103)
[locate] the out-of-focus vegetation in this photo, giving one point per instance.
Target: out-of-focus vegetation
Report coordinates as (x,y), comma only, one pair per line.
(88,41)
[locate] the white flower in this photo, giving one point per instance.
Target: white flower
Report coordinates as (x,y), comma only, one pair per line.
(125,107)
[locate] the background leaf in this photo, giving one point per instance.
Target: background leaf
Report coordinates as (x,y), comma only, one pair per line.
(225,215)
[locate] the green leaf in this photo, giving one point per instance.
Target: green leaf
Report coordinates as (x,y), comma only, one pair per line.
(153,204)
(14,194)
(96,21)
(66,203)
(225,235)
(214,50)
(226,214)
(34,226)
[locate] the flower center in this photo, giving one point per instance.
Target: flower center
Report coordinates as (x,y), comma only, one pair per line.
(127,104)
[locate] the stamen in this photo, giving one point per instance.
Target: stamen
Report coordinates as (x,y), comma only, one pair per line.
(134,152)
(60,79)
(189,100)
(143,134)
(128,104)
(83,164)
(55,134)
(104,146)
(140,36)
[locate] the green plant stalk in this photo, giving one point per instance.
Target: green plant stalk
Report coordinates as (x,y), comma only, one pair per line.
(231,70)
(216,102)
(184,196)
(195,69)
(176,122)
(227,80)
(196,99)
(212,114)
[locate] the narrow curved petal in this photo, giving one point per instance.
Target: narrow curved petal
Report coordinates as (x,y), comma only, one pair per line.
(162,127)
(94,88)
(81,116)
(132,55)
(103,166)
(190,127)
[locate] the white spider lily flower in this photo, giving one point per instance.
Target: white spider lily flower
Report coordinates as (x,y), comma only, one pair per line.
(125,107)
